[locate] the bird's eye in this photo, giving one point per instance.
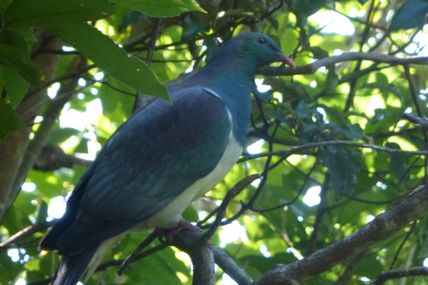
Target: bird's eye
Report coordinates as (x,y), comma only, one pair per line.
(262,40)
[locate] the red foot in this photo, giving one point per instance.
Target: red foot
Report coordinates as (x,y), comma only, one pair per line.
(182,225)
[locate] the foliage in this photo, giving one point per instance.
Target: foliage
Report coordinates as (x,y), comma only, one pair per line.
(70,74)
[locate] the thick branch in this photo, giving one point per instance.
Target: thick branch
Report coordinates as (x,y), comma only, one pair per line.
(201,255)
(413,206)
(13,147)
(347,56)
(51,114)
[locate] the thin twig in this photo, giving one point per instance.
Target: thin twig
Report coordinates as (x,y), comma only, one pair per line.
(220,210)
(353,83)
(401,273)
(300,148)
(292,201)
(414,94)
(320,214)
(403,242)
(136,254)
(24,233)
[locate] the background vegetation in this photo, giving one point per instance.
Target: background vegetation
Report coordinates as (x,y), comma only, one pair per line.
(326,191)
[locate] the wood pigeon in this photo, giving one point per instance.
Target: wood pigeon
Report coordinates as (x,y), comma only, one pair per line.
(163,158)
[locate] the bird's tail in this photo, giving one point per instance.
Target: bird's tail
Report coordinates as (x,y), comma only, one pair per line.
(72,267)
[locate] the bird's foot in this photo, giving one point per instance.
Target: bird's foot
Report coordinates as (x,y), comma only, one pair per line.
(182,225)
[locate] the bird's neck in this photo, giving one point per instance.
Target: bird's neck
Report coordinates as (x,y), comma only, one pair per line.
(230,67)
(233,74)
(232,81)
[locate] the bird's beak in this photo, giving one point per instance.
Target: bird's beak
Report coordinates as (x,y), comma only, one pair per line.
(286,60)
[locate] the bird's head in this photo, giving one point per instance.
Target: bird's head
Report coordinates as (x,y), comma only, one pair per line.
(258,49)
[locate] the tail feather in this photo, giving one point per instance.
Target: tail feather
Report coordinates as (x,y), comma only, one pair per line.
(72,267)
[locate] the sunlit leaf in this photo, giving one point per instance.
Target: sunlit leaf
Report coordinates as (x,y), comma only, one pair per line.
(111,58)
(16,86)
(16,58)
(54,12)
(160,8)
(9,119)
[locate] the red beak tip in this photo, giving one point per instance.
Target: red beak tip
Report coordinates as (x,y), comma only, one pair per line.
(286,60)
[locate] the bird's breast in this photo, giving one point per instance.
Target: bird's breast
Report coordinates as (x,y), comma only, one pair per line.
(171,214)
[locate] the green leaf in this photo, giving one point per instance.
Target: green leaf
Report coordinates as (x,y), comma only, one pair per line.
(111,58)
(54,12)
(9,269)
(343,166)
(4,4)
(398,161)
(12,56)
(9,120)
(190,215)
(410,15)
(160,8)
(21,38)
(262,264)
(16,86)
(308,7)
(369,266)
(194,26)
(319,52)
(60,135)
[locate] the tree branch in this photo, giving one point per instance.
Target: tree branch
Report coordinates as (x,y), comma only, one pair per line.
(53,157)
(420,121)
(229,266)
(49,118)
(413,206)
(13,147)
(401,273)
(202,257)
(300,148)
(23,234)
(348,56)
(220,210)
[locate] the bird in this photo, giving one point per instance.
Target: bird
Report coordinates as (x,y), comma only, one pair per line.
(163,157)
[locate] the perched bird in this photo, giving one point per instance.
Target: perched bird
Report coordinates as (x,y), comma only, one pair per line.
(164,157)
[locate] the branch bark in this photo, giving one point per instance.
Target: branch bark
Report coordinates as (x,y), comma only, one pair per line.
(64,95)
(202,257)
(420,121)
(347,56)
(411,207)
(13,147)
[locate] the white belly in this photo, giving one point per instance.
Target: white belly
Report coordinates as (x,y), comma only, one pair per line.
(171,214)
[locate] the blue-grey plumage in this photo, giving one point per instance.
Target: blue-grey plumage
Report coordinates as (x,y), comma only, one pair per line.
(164,156)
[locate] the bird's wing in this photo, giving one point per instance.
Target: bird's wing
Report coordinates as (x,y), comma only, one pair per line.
(148,162)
